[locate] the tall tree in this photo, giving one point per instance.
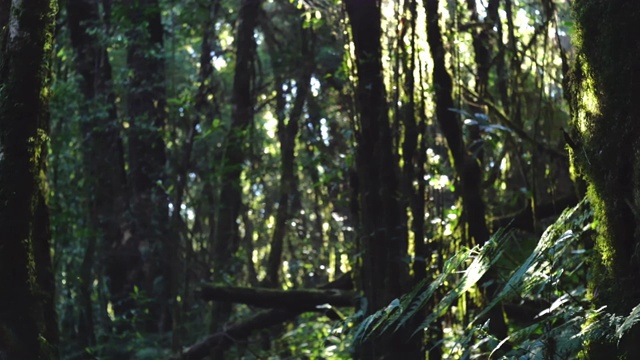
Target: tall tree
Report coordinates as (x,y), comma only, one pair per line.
(465,163)
(482,31)
(466,166)
(103,158)
(146,112)
(227,237)
(287,134)
(28,326)
(382,229)
(414,152)
(604,83)
(184,164)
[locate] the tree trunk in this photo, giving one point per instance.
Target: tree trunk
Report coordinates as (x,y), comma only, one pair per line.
(604,82)
(466,165)
(103,159)
(384,274)
(183,165)
(28,325)
(146,110)
(227,237)
(287,134)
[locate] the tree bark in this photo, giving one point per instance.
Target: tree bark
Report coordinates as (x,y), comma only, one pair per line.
(103,160)
(28,325)
(280,299)
(227,238)
(146,113)
(604,83)
(384,274)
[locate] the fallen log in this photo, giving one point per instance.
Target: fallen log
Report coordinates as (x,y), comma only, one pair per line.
(222,340)
(232,334)
(304,299)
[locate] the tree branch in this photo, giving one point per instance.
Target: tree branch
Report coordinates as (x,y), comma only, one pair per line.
(234,333)
(222,340)
(303,299)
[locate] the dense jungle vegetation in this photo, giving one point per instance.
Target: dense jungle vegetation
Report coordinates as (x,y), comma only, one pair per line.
(319,179)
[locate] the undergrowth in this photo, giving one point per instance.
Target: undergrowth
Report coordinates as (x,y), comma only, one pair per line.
(551,280)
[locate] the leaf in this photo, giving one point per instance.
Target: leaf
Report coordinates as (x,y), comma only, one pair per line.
(522,280)
(629,322)
(487,257)
(494,127)
(418,299)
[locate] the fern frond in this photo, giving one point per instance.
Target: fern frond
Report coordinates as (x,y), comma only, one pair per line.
(534,271)
(419,299)
(488,255)
(629,322)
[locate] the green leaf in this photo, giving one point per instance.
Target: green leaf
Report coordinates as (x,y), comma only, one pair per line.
(629,322)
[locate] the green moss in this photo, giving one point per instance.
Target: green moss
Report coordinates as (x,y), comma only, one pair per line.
(601,92)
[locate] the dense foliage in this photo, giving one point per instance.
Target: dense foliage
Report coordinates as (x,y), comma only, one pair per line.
(319,179)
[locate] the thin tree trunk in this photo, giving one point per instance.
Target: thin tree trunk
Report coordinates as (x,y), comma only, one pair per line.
(227,237)
(481,34)
(183,167)
(287,134)
(466,166)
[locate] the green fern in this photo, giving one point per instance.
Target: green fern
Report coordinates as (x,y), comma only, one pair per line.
(400,311)
(549,274)
(418,299)
(629,322)
(487,256)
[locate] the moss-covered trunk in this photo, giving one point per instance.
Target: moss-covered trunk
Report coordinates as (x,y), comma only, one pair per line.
(28,327)
(604,86)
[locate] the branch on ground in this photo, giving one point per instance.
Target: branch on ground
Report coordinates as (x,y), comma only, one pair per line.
(235,333)
(305,299)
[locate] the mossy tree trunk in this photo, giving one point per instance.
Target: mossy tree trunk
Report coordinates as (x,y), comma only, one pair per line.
(604,86)
(28,326)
